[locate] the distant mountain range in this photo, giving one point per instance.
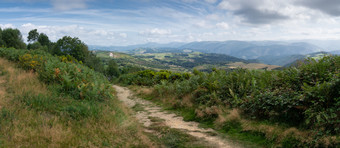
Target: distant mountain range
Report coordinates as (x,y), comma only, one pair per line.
(253,50)
(268,52)
(317,55)
(287,60)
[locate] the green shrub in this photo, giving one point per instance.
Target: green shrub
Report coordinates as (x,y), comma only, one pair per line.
(75,79)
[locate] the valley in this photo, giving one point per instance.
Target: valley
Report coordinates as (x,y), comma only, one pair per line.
(180,60)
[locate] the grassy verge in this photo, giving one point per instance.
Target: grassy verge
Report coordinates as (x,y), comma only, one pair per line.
(33,114)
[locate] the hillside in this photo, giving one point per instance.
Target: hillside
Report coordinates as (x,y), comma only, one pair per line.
(289,59)
(34,114)
(316,56)
(292,107)
(178,60)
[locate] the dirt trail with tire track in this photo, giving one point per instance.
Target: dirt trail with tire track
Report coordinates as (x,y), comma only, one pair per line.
(150,110)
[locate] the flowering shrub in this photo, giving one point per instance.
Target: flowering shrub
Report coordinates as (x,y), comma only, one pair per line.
(29,61)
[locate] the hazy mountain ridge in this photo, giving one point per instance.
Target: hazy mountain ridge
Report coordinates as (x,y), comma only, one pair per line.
(239,49)
(288,60)
(337,52)
(253,50)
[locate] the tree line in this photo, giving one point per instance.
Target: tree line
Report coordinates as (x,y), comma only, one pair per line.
(68,48)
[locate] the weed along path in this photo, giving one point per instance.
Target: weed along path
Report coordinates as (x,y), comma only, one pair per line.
(148,111)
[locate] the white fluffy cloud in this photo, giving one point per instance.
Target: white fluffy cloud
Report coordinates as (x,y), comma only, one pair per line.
(4,26)
(223,25)
(89,36)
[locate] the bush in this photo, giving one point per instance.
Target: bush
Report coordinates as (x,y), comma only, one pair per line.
(75,79)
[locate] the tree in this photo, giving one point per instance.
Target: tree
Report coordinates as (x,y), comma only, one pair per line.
(112,70)
(44,40)
(2,43)
(94,62)
(33,46)
(33,35)
(71,46)
(13,38)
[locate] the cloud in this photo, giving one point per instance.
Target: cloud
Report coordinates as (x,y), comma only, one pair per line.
(223,25)
(213,17)
(155,32)
(4,26)
(123,35)
(89,36)
(64,5)
(229,5)
(255,16)
(211,1)
(189,1)
(330,7)
(255,11)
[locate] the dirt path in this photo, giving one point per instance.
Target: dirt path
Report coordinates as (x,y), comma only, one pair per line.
(173,121)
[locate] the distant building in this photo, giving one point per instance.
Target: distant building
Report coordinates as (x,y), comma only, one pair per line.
(111,54)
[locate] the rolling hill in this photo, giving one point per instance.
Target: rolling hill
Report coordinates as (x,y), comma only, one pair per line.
(239,49)
(316,56)
(289,59)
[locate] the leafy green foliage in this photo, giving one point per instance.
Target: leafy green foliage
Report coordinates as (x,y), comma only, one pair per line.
(2,43)
(112,70)
(12,38)
(71,46)
(44,40)
(40,41)
(34,46)
(33,35)
(94,63)
(75,79)
(150,77)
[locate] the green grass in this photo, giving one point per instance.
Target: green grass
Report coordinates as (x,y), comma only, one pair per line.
(138,107)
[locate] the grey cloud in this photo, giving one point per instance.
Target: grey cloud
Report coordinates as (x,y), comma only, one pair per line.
(331,7)
(253,11)
(255,16)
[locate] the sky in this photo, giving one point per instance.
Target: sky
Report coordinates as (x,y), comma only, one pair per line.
(129,22)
